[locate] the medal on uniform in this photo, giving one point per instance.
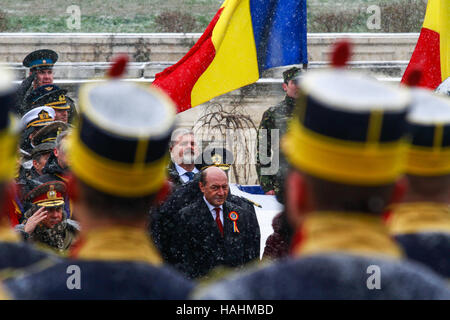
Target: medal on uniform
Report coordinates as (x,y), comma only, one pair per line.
(234,217)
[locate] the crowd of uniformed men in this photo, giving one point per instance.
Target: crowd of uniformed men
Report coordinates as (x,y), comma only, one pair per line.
(113,187)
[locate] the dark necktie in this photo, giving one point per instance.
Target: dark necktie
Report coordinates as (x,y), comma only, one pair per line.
(219,223)
(190,175)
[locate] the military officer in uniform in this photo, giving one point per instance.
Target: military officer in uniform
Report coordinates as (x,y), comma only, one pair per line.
(32,121)
(57,165)
(421,223)
(45,223)
(27,179)
(44,143)
(40,79)
(51,95)
(345,147)
(40,63)
(40,154)
(271,165)
(49,133)
(129,130)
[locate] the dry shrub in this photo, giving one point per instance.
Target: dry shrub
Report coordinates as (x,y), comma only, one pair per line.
(403,16)
(3,21)
(175,21)
(396,16)
(334,21)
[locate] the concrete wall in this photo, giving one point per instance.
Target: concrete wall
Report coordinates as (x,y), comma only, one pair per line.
(94,47)
(86,56)
(89,47)
(367,46)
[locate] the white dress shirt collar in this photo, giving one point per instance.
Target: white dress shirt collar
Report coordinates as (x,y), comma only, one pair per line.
(213,212)
(181,172)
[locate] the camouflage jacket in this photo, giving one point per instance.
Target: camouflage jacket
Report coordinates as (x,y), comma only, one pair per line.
(274,118)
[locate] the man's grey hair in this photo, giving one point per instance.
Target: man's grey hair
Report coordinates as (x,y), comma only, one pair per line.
(60,138)
(177,133)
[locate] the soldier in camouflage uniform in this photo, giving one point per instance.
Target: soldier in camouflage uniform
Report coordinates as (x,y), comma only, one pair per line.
(32,121)
(275,118)
(444,87)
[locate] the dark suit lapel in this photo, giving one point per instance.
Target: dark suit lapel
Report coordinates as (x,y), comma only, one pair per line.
(208,224)
(228,224)
(174,175)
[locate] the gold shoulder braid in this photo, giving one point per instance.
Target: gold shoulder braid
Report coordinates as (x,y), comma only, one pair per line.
(353,233)
(118,243)
(419,217)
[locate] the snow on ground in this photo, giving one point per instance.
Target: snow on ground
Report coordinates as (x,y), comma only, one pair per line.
(270,208)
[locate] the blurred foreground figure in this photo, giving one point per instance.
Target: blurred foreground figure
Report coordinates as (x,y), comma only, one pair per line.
(14,255)
(118,156)
(38,88)
(421,224)
(345,147)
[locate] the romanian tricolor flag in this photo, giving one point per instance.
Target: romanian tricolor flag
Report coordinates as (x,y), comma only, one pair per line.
(432,53)
(244,38)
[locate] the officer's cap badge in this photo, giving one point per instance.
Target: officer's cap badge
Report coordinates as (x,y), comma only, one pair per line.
(43,115)
(216,159)
(51,194)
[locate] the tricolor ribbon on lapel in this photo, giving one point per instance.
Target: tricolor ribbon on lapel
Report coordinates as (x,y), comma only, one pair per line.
(234,217)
